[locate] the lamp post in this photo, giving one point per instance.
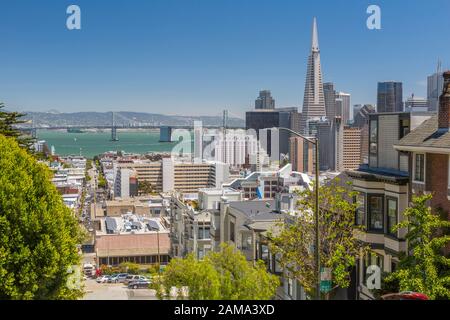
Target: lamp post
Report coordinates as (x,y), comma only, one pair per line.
(315,142)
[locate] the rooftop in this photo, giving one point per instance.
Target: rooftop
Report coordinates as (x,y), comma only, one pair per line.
(256,209)
(131,224)
(134,244)
(426,135)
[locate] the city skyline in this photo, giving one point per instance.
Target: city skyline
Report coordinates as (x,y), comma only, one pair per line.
(161,56)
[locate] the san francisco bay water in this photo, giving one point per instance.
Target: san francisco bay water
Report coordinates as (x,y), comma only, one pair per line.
(92,143)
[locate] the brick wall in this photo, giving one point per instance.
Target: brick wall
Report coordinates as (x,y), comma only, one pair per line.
(437,180)
(444,103)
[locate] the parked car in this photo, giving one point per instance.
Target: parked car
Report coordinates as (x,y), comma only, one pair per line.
(102,279)
(139,284)
(118,278)
(111,276)
(407,295)
(133,277)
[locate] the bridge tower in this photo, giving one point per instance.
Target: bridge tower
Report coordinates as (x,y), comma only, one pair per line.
(33,128)
(113,128)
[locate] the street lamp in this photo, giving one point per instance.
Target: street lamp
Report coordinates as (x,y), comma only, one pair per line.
(315,142)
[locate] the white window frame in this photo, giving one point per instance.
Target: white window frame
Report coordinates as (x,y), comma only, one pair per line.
(424,167)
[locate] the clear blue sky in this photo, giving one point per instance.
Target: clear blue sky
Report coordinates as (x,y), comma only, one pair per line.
(199,56)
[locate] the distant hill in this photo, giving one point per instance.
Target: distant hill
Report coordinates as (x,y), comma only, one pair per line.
(54,119)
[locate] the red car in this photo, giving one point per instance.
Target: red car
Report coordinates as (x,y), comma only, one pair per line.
(407,295)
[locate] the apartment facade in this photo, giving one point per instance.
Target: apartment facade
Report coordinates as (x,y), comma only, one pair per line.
(428,148)
(169,175)
(351,144)
(383,194)
(191,219)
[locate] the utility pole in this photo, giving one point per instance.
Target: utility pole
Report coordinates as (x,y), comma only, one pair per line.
(317,240)
(315,142)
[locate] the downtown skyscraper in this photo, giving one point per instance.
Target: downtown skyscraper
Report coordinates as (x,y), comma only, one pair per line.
(390,96)
(314,99)
(435,85)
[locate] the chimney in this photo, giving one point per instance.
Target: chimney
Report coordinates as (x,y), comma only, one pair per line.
(444,104)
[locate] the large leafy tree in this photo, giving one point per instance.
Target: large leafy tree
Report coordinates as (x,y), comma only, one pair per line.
(225,275)
(145,187)
(339,248)
(38,233)
(8,121)
(425,269)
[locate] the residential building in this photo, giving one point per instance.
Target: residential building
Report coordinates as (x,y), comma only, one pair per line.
(383,193)
(428,151)
(126,184)
(191,219)
(351,148)
(172,174)
(267,184)
(236,148)
(390,96)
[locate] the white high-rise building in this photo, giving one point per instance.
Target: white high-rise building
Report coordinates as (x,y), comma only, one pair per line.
(314,99)
(198,142)
(122,182)
(235,148)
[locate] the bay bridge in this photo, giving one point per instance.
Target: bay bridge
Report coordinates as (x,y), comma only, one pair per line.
(126,124)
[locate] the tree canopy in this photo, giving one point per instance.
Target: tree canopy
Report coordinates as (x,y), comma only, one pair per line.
(223,275)
(339,248)
(38,233)
(7,122)
(425,269)
(145,187)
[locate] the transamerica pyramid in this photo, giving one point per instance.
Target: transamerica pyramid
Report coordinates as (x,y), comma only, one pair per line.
(314,100)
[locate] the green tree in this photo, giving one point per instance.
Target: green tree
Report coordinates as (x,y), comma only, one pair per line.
(425,269)
(102,183)
(129,267)
(8,121)
(145,187)
(339,248)
(38,233)
(223,275)
(88,164)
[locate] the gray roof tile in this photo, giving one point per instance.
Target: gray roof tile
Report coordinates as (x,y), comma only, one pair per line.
(427,135)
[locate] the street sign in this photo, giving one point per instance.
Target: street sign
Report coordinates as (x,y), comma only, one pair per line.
(325,280)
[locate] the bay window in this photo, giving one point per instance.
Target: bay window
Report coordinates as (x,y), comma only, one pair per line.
(375,212)
(360,209)
(392,216)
